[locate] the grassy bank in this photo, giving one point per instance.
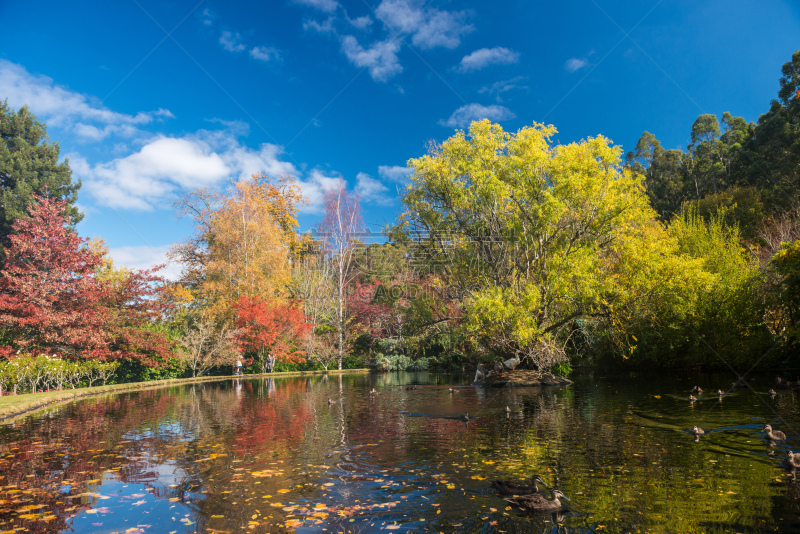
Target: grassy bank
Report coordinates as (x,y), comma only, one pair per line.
(13,406)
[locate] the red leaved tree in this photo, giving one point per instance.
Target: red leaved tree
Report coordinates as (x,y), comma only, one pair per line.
(51,300)
(272,328)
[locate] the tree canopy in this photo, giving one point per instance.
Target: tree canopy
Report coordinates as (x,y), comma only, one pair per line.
(29,166)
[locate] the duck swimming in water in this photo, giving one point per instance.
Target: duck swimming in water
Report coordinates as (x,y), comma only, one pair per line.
(697,431)
(510,487)
(697,390)
(537,503)
(774,436)
(792,460)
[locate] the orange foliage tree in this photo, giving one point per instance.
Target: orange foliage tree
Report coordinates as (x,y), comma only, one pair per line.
(272,328)
(243,241)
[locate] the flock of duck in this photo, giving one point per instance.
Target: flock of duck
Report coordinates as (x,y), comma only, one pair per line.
(792,460)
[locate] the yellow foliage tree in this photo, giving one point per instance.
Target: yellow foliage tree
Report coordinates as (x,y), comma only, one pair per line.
(243,244)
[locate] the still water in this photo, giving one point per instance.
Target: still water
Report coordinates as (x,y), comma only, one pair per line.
(322,454)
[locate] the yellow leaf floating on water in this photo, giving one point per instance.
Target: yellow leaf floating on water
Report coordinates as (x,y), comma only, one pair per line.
(328,484)
(284,490)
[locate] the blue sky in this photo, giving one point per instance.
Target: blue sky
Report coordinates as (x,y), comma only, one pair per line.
(150,99)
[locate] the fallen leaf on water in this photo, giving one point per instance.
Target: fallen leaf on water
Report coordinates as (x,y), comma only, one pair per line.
(284,490)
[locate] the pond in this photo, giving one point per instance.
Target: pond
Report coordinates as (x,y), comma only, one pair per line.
(322,454)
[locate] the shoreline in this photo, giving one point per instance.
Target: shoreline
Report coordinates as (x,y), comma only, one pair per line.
(13,406)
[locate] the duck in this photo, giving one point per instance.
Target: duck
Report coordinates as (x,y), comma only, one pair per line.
(792,460)
(774,436)
(537,503)
(697,431)
(451,391)
(509,487)
(512,363)
(692,398)
(697,390)
(772,392)
(498,368)
(720,393)
(374,392)
(409,388)
(465,417)
(508,409)
(331,402)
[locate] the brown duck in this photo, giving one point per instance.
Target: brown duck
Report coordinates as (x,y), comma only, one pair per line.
(537,503)
(510,487)
(792,460)
(774,436)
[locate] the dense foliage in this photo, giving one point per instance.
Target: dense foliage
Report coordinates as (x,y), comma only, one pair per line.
(509,246)
(29,166)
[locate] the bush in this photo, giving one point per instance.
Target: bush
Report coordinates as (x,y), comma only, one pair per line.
(26,374)
(400,362)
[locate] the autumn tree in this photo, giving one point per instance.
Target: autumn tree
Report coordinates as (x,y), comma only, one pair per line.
(339,230)
(313,286)
(520,229)
(204,345)
(52,301)
(242,244)
(28,167)
(272,328)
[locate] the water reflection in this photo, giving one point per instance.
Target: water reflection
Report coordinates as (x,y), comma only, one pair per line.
(274,454)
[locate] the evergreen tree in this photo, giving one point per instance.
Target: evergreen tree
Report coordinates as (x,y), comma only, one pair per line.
(29,166)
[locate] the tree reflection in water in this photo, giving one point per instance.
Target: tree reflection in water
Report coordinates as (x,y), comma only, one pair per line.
(272,454)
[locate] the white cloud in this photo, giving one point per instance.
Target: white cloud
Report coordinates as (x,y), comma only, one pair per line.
(328,6)
(488,56)
(371,190)
(463,116)
(263,53)
(498,88)
(314,187)
(395,173)
(146,257)
(164,165)
(380,58)
(575,64)
(62,108)
(325,26)
(428,27)
(361,23)
(206,17)
(231,41)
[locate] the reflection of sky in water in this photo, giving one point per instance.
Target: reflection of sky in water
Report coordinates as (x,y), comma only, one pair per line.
(155,507)
(268,455)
